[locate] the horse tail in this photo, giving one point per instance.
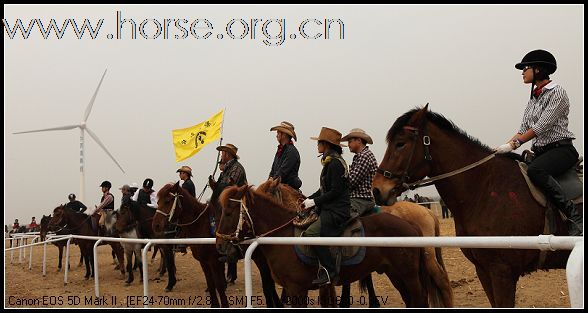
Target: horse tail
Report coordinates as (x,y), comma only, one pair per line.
(438,254)
(435,296)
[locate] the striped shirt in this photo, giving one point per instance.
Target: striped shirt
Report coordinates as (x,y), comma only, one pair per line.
(547,115)
(361,173)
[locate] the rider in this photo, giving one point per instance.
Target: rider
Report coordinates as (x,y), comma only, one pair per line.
(233,173)
(75,204)
(332,201)
(33,225)
(361,172)
(146,195)
(106,202)
(185,174)
(545,121)
(287,159)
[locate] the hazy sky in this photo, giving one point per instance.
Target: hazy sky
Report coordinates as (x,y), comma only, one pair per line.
(460,59)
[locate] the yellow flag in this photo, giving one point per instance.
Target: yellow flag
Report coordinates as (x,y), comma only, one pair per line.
(188,141)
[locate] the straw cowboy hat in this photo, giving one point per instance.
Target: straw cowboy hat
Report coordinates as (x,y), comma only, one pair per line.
(285,127)
(330,135)
(185,169)
(231,149)
(358,133)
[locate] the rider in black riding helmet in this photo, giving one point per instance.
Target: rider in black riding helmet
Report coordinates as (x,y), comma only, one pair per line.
(545,121)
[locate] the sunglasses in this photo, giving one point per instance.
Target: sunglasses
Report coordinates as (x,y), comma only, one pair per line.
(526,68)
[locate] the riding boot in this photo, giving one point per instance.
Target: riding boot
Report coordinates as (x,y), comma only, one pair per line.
(327,273)
(567,207)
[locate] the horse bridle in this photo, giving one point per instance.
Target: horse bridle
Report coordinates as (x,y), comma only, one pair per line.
(170,215)
(404,185)
(243,212)
(405,176)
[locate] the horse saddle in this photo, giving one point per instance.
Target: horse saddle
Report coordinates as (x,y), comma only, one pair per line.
(342,255)
(571,183)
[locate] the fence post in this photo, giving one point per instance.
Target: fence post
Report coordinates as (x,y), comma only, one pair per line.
(66,261)
(96,282)
(248,279)
(44,259)
(575,275)
(31,253)
(146,273)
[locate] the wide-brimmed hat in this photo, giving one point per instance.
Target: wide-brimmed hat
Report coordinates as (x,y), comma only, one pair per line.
(330,135)
(358,133)
(285,127)
(185,169)
(231,149)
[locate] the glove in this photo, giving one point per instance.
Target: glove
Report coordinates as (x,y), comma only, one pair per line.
(505,148)
(308,203)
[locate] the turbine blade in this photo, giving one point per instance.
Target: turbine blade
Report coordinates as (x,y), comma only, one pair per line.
(49,129)
(103,147)
(89,108)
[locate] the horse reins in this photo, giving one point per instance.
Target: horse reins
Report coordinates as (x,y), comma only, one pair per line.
(171,212)
(429,181)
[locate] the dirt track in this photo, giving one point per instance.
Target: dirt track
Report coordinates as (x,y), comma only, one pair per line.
(24,288)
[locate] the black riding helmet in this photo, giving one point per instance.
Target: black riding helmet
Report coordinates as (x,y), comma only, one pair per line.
(538,59)
(106,184)
(71,196)
(148,183)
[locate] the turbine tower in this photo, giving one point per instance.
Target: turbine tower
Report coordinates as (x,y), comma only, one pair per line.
(83,128)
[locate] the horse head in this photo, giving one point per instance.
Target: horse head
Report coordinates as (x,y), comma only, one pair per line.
(125,217)
(59,217)
(169,205)
(44,226)
(407,158)
(110,220)
(235,224)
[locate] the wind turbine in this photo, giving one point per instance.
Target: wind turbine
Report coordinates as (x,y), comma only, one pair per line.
(83,127)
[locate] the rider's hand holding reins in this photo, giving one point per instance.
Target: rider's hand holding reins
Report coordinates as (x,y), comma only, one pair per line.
(508,147)
(308,203)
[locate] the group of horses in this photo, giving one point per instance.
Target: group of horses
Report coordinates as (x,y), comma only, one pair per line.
(480,199)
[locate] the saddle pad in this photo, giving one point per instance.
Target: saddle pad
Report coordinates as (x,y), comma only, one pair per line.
(569,181)
(350,255)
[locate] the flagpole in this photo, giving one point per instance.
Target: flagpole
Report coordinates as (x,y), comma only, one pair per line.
(217,155)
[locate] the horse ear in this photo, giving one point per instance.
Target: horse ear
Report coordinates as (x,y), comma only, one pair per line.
(419,117)
(278,180)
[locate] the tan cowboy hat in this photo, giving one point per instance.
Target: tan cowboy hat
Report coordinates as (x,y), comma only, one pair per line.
(185,169)
(285,127)
(330,135)
(230,149)
(358,133)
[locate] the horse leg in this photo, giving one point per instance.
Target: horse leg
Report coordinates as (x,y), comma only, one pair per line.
(211,280)
(269,286)
(486,282)
(366,283)
(298,297)
(139,260)
(504,285)
(170,265)
(61,258)
(345,294)
(155,249)
(129,253)
(328,296)
(81,258)
(218,275)
(120,255)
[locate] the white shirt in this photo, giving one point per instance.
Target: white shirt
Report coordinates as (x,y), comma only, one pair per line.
(152,197)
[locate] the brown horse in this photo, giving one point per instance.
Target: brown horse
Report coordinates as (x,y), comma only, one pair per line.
(419,215)
(79,224)
(177,206)
(491,199)
(59,244)
(404,266)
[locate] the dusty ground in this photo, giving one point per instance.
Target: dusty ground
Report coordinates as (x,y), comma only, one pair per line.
(28,288)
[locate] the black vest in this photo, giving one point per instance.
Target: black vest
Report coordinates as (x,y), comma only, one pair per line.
(144,197)
(110,206)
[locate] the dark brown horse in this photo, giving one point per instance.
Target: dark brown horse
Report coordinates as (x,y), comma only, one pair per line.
(260,214)
(442,295)
(59,244)
(132,215)
(79,224)
(177,206)
(491,199)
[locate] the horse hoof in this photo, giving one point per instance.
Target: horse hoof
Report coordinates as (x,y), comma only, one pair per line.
(127,284)
(167,289)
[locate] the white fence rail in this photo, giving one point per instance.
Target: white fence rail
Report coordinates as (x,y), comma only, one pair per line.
(574,267)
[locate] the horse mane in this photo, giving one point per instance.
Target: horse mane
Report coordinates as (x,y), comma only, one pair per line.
(440,121)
